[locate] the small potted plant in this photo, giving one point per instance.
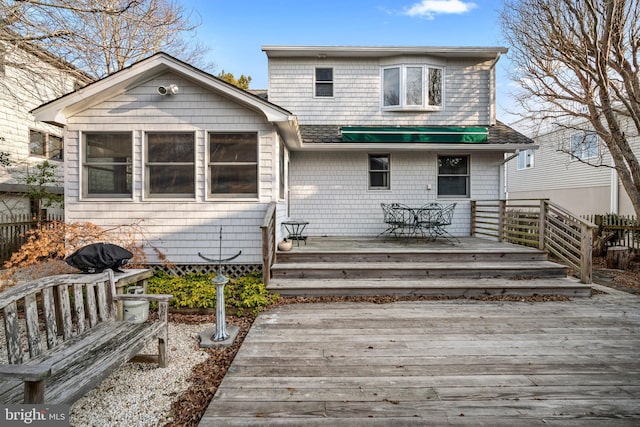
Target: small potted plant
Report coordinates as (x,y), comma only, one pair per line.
(285,245)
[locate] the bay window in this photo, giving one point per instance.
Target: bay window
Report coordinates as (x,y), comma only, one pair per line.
(412,87)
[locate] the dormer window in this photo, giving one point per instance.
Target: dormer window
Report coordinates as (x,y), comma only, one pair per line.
(412,87)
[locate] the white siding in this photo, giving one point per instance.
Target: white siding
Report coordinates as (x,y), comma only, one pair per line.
(330,190)
(24,88)
(576,186)
(357,87)
(179,228)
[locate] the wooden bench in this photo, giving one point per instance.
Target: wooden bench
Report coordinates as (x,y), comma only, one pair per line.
(63,337)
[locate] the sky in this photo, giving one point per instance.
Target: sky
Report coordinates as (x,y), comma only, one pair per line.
(236,31)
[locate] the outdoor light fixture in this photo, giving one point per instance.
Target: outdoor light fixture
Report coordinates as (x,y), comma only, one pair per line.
(168,90)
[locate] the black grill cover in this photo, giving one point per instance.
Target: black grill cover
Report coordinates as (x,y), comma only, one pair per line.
(97,257)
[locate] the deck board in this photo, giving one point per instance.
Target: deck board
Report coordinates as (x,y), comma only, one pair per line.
(457,362)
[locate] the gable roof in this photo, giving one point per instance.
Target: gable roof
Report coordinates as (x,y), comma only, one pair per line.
(58,110)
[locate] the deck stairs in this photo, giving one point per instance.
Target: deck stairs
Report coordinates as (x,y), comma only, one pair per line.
(368,267)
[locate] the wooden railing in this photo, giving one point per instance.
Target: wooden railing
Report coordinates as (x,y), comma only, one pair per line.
(537,223)
(268,242)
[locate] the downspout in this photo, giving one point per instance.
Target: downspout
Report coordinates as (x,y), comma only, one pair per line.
(614,207)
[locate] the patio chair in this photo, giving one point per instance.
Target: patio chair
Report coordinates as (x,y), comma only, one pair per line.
(427,219)
(398,218)
(390,218)
(444,220)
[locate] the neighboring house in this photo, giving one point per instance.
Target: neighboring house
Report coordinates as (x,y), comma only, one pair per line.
(572,167)
(343,129)
(29,76)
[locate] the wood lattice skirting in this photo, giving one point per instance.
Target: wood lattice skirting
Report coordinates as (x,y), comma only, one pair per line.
(230,270)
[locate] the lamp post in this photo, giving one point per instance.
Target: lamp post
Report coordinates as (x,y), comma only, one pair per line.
(219,337)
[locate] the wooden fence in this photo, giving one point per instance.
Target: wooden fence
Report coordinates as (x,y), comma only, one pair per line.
(13,231)
(626,229)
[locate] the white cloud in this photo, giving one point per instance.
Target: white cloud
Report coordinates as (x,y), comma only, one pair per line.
(429,8)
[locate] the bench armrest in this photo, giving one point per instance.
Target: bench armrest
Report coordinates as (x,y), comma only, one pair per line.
(143,297)
(25,372)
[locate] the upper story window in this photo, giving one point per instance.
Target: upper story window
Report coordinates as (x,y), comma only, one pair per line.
(584,145)
(324,82)
(170,164)
(525,159)
(107,165)
(453,176)
(45,145)
(379,172)
(412,87)
(233,164)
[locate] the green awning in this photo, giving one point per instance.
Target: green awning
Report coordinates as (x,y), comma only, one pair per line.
(436,134)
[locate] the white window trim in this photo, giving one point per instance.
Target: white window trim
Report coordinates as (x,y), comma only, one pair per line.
(231,198)
(369,170)
(468,178)
(83,194)
(528,155)
(403,88)
(47,153)
(583,134)
(145,170)
(332,81)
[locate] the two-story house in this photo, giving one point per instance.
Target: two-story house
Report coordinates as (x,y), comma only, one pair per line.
(29,76)
(572,167)
(343,129)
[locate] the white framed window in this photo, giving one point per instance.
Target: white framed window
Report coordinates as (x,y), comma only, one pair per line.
(107,164)
(379,172)
(170,164)
(454,176)
(525,159)
(324,82)
(233,164)
(412,87)
(584,145)
(44,144)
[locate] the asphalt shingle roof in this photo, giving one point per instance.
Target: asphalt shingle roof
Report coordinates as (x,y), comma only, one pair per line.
(323,134)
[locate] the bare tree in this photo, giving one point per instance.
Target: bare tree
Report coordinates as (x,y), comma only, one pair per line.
(578,60)
(102,36)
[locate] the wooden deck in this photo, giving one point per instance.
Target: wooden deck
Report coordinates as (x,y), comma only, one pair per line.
(452,362)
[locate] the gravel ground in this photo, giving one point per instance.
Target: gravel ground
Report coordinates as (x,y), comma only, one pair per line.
(141,394)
